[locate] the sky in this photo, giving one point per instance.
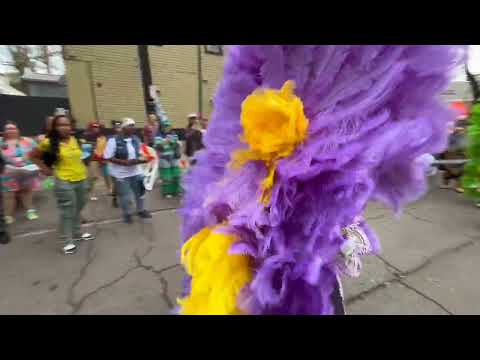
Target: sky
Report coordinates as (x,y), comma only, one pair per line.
(474,61)
(473,64)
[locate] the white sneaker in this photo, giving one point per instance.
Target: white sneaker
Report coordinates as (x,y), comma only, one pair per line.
(94,198)
(69,249)
(86,237)
(9,220)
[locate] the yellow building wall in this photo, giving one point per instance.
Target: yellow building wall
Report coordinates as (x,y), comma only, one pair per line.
(81,96)
(116,78)
(212,71)
(175,74)
(117,85)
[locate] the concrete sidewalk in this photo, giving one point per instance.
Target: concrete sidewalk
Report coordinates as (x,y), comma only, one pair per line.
(428,264)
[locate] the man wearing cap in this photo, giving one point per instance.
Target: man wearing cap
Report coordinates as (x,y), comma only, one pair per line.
(123,153)
(192,119)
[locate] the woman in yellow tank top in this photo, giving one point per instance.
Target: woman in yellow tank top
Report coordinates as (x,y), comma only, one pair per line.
(60,154)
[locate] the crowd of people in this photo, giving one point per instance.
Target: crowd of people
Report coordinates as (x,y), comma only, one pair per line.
(75,163)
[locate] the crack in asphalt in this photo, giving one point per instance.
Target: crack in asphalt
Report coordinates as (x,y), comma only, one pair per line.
(90,257)
(438,255)
(474,238)
(83,271)
(77,306)
(158,273)
(165,295)
(363,295)
(416,217)
(401,275)
(425,296)
(389,265)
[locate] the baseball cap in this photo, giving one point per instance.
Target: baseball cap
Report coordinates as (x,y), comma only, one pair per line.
(127,122)
(60,112)
(192,115)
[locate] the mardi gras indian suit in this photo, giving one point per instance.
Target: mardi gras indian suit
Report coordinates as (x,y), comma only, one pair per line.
(301,138)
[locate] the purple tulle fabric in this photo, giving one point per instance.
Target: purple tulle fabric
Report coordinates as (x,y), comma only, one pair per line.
(372,109)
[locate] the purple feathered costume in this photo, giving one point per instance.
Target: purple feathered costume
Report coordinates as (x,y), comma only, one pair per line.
(373,110)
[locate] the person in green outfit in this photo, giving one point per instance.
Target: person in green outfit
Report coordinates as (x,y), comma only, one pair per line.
(471,174)
(169,151)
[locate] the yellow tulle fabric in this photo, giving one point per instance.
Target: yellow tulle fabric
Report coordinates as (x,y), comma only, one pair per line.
(274,124)
(217,276)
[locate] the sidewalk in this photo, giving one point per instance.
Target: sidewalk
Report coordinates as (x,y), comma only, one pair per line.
(428,264)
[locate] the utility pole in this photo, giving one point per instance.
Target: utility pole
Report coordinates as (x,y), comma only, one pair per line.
(146,74)
(200,80)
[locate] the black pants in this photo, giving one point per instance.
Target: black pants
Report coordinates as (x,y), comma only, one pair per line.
(3,226)
(337,300)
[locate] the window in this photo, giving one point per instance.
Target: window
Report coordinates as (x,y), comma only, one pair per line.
(214,49)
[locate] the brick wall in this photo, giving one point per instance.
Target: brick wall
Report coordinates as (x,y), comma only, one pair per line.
(116,80)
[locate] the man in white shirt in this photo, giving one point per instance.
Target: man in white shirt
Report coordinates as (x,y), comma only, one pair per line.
(123,153)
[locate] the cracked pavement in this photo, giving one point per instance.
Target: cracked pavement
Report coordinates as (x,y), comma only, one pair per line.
(428,263)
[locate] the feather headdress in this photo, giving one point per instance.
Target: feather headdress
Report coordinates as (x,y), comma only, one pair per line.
(301,138)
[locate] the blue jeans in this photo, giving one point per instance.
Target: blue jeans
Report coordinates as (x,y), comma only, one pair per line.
(127,187)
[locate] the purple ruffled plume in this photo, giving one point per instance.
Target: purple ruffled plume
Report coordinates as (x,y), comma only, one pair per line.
(373,111)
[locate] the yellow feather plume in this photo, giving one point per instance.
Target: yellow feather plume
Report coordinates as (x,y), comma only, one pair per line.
(217,276)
